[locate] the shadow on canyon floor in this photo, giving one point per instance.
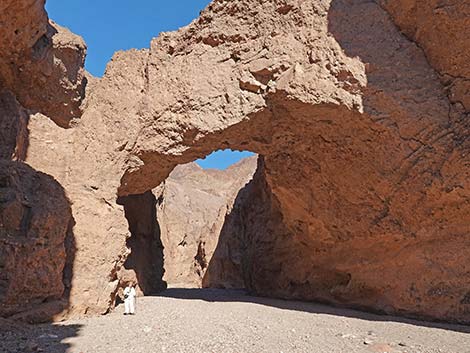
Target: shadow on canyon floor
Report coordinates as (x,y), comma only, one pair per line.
(50,338)
(223,295)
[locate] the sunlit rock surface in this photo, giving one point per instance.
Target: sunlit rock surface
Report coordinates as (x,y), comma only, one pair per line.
(193,211)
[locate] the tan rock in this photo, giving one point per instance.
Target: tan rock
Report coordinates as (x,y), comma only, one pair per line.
(192,213)
(41,62)
(35,221)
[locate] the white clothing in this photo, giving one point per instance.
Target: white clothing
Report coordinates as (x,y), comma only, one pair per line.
(129,300)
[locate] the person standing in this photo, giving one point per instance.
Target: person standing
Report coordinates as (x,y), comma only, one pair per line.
(129,299)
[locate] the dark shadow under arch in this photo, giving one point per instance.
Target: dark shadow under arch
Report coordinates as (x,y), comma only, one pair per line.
(146,249)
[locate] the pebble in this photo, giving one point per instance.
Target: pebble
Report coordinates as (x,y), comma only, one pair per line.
(348,335)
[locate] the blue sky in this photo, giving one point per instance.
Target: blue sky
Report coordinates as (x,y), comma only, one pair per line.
(111,25)
(222,159)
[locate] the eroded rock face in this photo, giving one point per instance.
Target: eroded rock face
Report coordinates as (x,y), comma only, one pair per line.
(362,198)
(13,128)
(441,29)
(353,124)
(41,62)
(193,212)
(35,220)
(41,68)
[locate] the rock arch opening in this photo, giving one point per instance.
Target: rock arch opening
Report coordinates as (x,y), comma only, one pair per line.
(187,232)
(195,215)
(363,180)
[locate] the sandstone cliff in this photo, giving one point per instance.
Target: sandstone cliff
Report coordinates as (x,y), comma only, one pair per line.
(362,197)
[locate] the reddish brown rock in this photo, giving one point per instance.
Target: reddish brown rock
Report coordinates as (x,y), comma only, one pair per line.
(23,23)
(41,62)
(35,220)
(362,198)
(353,124)
(13,128)
(440,28)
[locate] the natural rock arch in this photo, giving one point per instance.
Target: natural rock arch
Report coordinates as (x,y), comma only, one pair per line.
(365,173)
(354,129)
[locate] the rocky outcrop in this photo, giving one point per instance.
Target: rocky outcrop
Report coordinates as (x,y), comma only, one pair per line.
(13,128)
(41,62)
(41,68)
(35,225)
(194,206)
(362,195)
(353,125)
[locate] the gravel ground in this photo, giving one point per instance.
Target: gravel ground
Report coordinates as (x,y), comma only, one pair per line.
(210,320)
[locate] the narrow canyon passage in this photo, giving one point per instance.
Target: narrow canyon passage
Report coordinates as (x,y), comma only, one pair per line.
(188,231)
(203,244)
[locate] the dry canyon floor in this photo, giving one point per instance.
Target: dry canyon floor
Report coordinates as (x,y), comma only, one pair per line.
(212,320)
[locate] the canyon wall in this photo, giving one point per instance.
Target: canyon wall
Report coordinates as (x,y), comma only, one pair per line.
(192,214)
(362,194)
(41,70)
(35,219)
